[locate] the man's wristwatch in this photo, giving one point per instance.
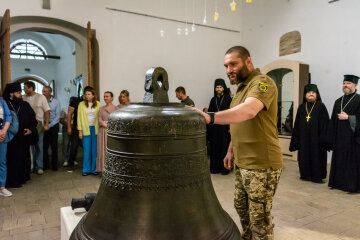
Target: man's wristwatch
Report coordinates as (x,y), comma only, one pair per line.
(212,117)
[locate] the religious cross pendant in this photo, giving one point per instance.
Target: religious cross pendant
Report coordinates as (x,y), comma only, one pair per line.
(308,118)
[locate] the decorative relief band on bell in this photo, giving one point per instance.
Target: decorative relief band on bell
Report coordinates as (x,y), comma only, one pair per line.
(159,127)
(164,145)
(155,174)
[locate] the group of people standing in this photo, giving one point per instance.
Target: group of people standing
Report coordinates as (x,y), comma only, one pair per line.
(314,134)
(84,120)
(254,151)
(15,158)
(37,117)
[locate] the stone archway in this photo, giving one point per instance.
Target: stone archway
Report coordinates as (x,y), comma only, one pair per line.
(32,77)
(71,30)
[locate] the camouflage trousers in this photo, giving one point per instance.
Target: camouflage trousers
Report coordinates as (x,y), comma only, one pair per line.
(254,192)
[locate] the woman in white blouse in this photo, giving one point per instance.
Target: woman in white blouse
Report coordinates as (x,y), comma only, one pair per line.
(88,126)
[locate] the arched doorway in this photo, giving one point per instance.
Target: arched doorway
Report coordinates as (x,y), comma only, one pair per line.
(88,50)
(87,64)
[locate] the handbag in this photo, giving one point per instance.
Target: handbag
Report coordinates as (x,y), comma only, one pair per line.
(14,126)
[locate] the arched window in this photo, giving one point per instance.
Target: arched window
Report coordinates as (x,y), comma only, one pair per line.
(27,49)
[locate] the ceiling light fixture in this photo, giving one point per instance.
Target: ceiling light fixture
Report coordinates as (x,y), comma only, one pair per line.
(233,6)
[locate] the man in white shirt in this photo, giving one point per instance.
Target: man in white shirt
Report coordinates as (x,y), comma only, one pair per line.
(41,108)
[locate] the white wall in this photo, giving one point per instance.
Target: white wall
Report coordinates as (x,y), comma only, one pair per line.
(65,69)
(130,44)
(330,38)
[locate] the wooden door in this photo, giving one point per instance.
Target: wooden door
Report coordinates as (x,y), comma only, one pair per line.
(5,49)
(89,50)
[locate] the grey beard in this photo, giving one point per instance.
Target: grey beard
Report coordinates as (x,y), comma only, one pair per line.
(348,91)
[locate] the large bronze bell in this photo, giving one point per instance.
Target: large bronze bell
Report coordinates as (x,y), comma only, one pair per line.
(156,183)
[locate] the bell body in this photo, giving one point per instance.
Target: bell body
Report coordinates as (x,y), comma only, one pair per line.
(156,182)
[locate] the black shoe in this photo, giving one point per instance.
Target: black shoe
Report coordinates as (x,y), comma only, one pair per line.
(95,173)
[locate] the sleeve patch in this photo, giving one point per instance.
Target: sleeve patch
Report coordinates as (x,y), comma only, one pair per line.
(263,87)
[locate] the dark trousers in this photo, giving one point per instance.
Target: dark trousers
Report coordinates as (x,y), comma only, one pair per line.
(74,144)
(51,139)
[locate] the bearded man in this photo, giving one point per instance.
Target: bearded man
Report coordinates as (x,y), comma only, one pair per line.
(309,136)
(18,149)
(345,138)
(254,142)
(219,135)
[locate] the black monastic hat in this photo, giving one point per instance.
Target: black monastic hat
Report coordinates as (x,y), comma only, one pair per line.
(312,88)
(221,82)
(11,88)
(351,78)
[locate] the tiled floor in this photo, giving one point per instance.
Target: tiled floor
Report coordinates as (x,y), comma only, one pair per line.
(302,210)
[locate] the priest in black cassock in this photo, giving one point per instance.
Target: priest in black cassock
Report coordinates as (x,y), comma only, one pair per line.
(219,135)
(345,137)
(18,149)
(309,136)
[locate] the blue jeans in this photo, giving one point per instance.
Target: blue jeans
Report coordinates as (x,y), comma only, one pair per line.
(3,149)
(90,151)
(37,152)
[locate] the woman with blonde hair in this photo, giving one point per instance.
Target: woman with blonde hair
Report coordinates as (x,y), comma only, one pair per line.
(124,98)
(104,113)
(88,126)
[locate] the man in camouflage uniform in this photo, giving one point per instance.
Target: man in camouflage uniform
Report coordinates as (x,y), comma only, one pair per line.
(254,143)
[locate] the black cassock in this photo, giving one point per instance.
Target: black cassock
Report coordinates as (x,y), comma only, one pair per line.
(345,138)
(218,135)
(18,149)
(310,139)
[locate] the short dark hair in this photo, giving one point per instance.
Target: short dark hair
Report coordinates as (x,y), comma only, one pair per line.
(243,53)
(72,99)
(30,84)
(180,90)
(111,94)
